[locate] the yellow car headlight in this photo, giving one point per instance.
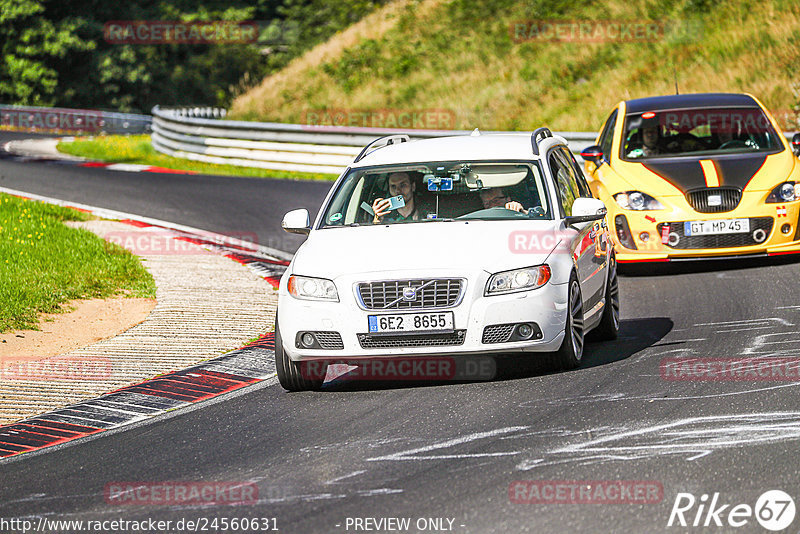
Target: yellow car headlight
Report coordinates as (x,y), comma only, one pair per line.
(637,201)
(785,192)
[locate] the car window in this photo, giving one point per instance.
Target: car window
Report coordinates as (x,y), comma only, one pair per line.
(607,138)
(564,178)
(580,179)
(702,132)
(439,190)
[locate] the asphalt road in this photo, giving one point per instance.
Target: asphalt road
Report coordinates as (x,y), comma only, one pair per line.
(239,207)
(452,450)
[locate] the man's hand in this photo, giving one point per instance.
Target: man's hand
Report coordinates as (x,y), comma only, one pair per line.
(515,206)
(381,208)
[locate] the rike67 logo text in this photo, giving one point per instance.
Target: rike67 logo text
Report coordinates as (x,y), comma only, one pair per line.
(774,510)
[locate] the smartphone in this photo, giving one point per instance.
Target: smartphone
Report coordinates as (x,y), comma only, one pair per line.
(396,202)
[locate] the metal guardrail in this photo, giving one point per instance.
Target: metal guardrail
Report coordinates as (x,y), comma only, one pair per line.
(202,134)
(65,120)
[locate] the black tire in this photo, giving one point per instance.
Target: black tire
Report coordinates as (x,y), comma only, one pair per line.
(569,354)
(608,329)
(290,373)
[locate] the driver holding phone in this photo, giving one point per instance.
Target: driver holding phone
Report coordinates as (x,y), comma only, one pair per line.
(400,184)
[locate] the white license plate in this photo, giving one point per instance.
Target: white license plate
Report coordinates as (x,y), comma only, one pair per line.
(411,322)
(722,226)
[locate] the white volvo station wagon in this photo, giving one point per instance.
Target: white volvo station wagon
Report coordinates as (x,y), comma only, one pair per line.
(466,245)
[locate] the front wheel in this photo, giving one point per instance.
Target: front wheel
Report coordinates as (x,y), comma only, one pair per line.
(290,373)
(570,352)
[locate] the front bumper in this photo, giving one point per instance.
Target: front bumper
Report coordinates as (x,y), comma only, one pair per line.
(645,228)
(545,306)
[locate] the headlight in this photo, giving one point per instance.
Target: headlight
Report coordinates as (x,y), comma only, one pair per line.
(307,288)
(786,192)
(636,200)
(518,280)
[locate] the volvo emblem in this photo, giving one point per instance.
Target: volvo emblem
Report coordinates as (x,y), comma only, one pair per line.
(409,294)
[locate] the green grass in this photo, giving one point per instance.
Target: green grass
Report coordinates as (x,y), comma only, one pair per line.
(137,149)
(460,56)
(44,263)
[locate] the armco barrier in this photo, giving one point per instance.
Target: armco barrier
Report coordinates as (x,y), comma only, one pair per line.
(79,121)
(202,134)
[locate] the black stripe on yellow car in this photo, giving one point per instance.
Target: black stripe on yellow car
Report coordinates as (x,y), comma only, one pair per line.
(689,175)
(740,170)
(684,175)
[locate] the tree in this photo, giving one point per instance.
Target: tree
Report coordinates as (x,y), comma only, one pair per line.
(30,49)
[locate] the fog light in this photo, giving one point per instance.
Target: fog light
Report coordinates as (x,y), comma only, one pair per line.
(524,331)
(644,237)
(308,339)
(786,228)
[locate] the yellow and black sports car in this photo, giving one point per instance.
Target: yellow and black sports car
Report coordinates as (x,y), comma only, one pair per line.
(696,175)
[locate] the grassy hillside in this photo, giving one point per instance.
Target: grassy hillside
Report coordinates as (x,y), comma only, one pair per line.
(459,55)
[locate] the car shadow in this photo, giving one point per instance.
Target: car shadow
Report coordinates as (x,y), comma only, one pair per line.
(704,266)
(635,335)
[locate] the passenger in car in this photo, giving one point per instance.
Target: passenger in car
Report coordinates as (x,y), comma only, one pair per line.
(400,183)
(495,197)
(651,143)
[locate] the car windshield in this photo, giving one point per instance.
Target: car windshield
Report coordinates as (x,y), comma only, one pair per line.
(438,191)
(701,132)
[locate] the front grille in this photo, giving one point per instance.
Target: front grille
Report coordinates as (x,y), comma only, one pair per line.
(388,294)
(497,333)
(729,199)
(368,341)
(329,340)
(721,240)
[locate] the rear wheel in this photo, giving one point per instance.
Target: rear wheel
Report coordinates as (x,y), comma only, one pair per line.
(608,329)
(290,374)
(570,353)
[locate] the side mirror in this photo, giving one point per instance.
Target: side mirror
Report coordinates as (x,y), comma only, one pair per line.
(592,153)
(297,222)
(796,144)
(586,210)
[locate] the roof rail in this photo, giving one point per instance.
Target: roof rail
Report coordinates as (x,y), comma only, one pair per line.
(538,135)
(380,143)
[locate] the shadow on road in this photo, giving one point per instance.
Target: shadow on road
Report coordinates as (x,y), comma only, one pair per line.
(635,335)
(705,266)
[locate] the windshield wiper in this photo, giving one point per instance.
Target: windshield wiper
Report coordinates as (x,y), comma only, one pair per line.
(444,219)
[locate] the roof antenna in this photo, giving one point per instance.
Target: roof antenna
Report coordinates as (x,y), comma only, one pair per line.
(675,77)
